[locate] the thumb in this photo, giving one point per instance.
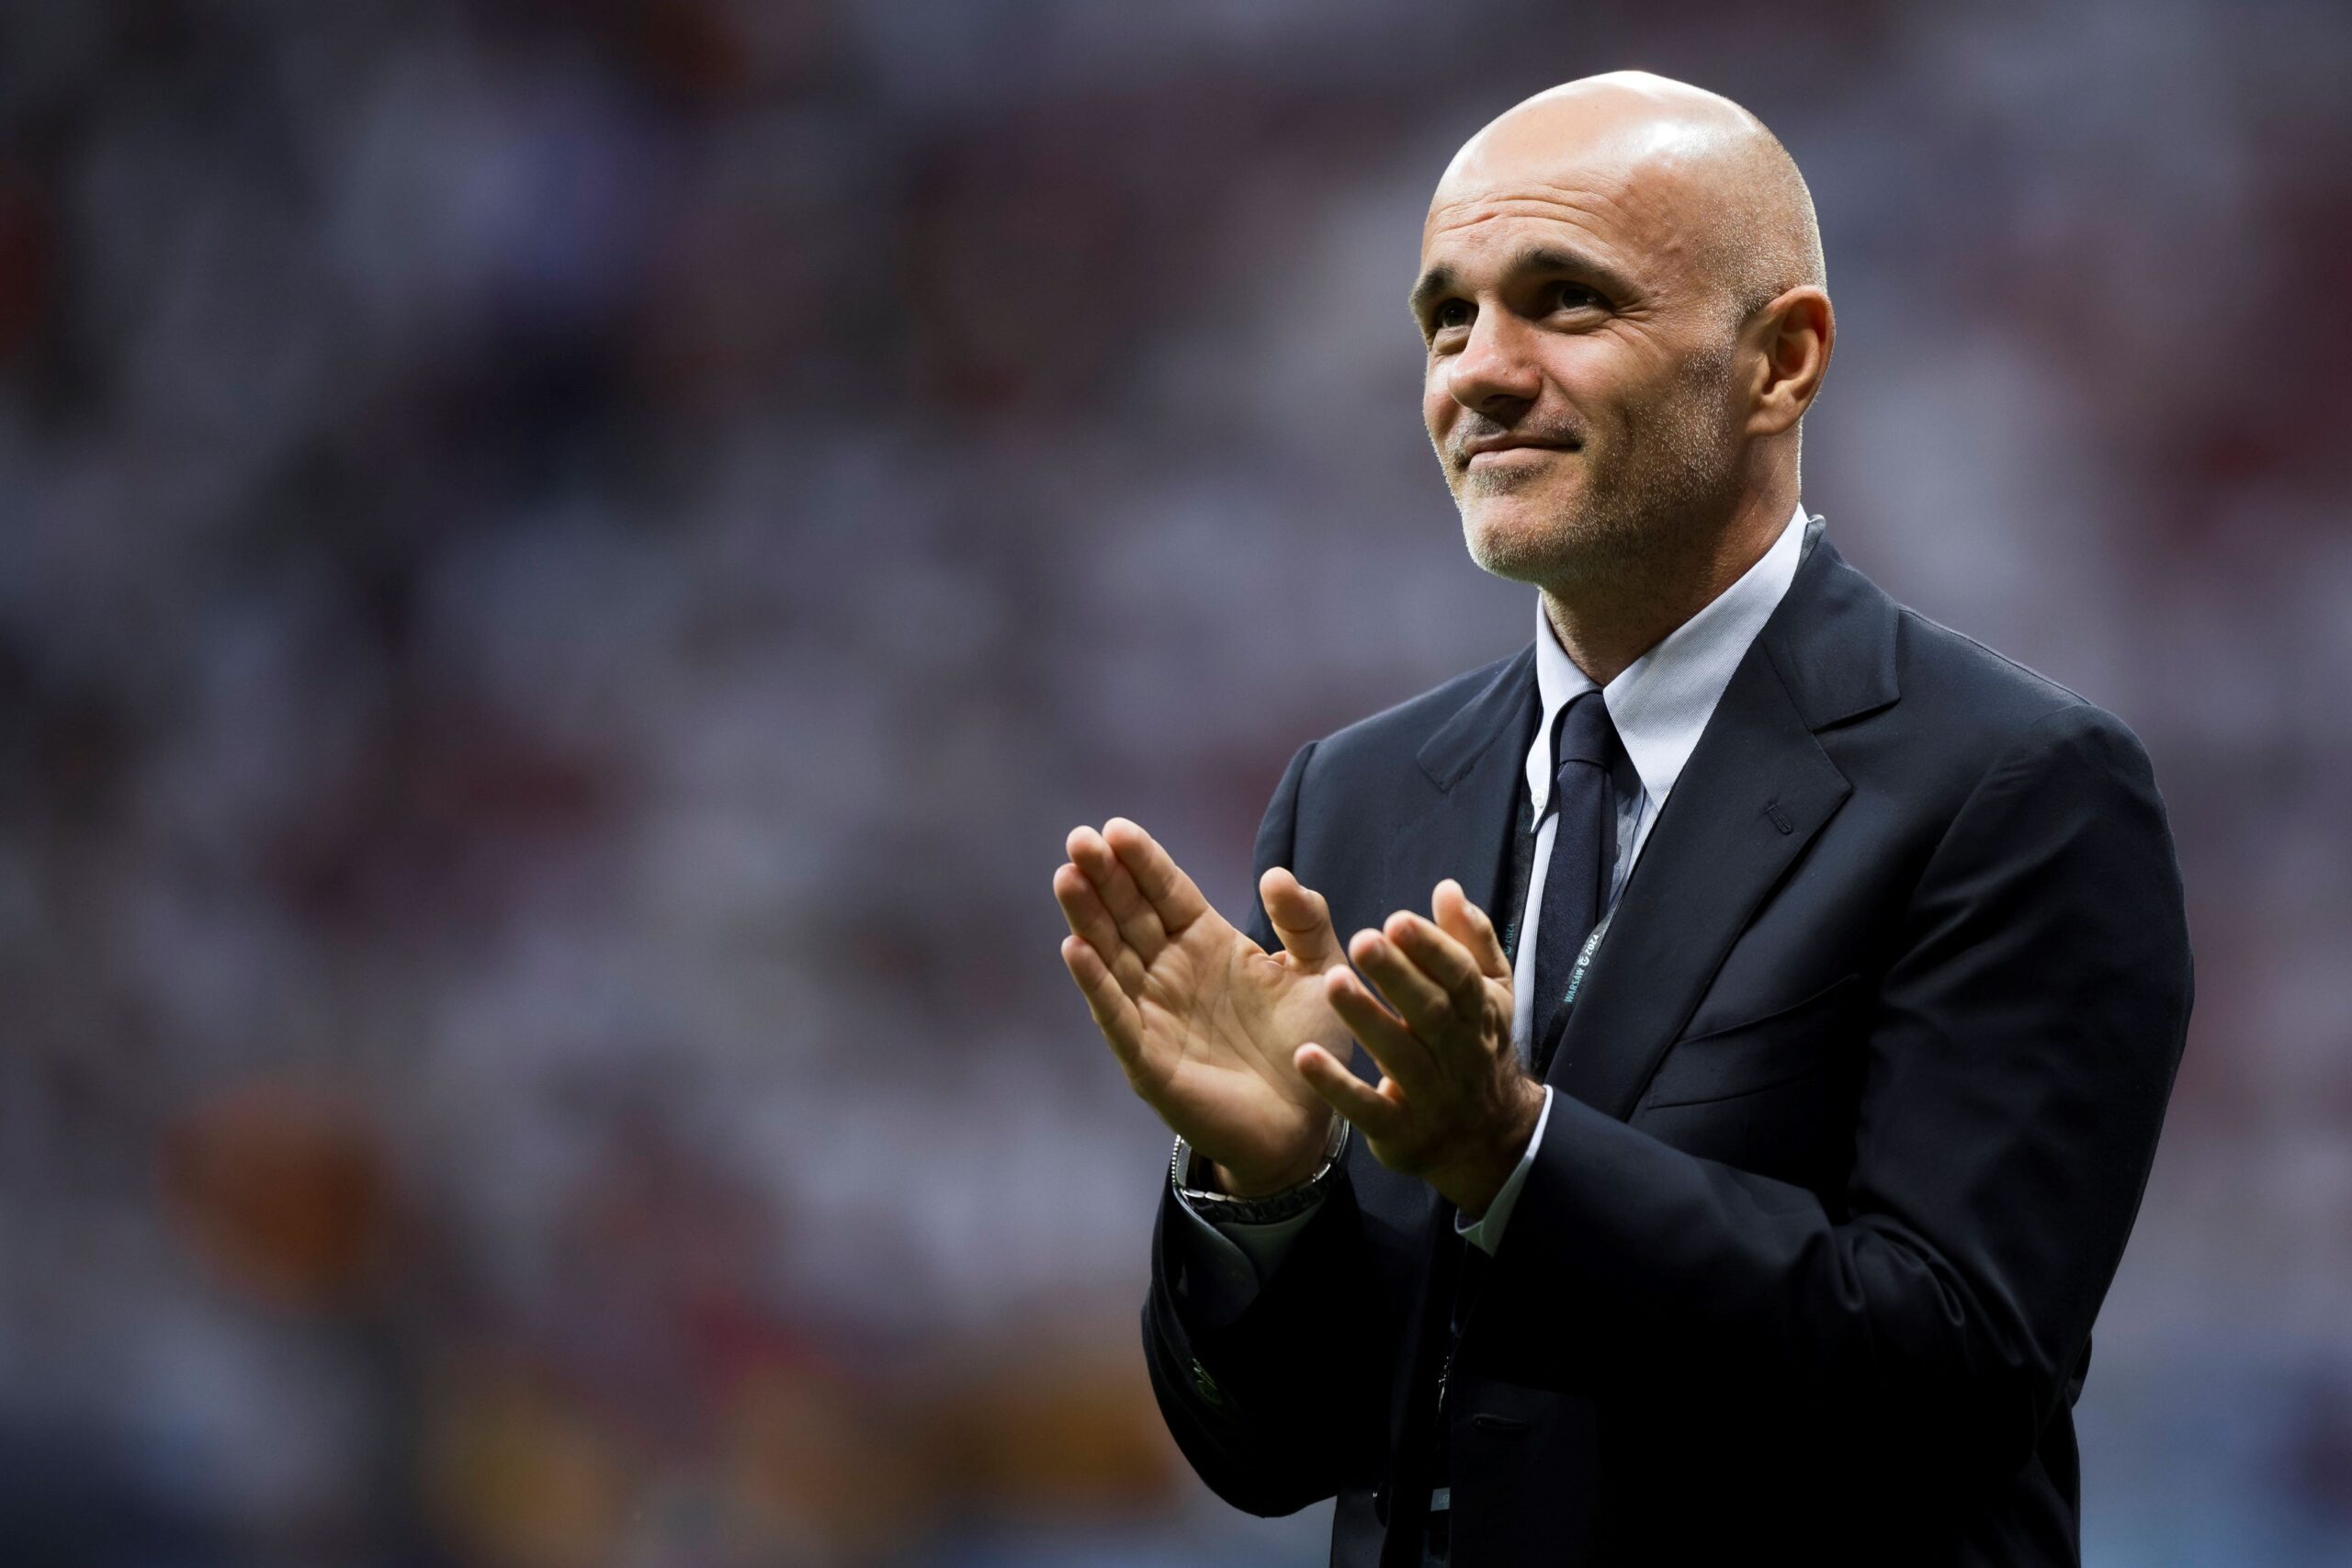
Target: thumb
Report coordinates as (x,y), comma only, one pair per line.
(1467,924)
(1301,918)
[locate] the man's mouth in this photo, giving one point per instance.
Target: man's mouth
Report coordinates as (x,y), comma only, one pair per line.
(1496,449)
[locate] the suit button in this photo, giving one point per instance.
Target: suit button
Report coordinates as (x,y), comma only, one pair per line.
(1206,1385)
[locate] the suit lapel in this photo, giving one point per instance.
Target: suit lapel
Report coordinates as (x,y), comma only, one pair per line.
(1753,795)
(1477,763)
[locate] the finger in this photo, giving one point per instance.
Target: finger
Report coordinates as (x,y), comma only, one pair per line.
(1374,1110)
(1172,895)
(1469,925)
(1138,921)
(1378,1030)
(1114,1014)
(1301,918)
(1092,924)
(1446,961)
(1415,997)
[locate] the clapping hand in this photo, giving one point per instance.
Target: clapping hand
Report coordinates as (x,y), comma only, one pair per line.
(1239,1050)
(1208,1024)
(1455,1108)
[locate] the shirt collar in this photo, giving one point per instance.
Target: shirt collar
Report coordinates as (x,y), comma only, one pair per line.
(1661,702)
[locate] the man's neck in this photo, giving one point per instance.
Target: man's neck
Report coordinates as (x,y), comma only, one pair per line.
(1610,620)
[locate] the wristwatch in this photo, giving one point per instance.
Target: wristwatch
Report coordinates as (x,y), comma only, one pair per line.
(1288,1203)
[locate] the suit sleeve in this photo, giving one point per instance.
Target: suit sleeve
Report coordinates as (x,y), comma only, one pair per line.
(1227,1260)
(2026,1037)
(1283,1402)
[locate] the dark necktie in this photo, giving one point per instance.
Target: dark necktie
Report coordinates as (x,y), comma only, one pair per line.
(1584,851)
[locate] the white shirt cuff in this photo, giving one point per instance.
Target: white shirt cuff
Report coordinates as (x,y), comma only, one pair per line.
(1487,1233)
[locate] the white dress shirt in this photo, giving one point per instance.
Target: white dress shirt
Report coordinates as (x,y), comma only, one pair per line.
(1660,705)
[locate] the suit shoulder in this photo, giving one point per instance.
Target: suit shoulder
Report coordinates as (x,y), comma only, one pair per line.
(1989,706)
(1949,670)
(1406,725)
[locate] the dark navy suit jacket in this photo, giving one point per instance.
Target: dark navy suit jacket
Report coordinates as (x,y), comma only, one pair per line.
(1851,1122)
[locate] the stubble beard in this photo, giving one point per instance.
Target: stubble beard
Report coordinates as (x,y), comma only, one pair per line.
(1665,489)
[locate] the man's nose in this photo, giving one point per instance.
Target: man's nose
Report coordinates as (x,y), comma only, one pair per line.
(1494,375)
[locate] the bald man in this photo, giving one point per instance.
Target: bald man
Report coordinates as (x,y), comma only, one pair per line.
(1716,1135)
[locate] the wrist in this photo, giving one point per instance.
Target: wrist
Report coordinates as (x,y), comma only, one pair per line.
(1471,1189)
(1189,1172)
(1225,1179)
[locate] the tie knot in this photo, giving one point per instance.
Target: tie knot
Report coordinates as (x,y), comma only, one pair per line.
(1586,733)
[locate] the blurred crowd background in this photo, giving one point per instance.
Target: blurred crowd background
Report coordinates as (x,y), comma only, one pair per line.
(565,569)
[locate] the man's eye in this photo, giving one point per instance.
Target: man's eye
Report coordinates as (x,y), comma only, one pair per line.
(1576,296)
(1453,313)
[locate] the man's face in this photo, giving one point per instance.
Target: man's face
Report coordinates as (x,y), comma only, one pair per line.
(1579,379)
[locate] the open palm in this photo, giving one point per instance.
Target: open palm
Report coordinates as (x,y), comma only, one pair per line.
(1203,1019)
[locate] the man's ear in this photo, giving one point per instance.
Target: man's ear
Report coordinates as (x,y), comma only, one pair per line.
(1792,338)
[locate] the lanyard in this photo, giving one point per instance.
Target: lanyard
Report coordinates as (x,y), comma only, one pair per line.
(1584,960)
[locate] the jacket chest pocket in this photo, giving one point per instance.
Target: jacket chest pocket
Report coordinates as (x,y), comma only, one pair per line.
(1773,1094)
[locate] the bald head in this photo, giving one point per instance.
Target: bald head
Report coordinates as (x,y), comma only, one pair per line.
(1714,187)
(1621,294)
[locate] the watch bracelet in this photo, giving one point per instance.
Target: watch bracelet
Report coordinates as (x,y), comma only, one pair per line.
(1287,1203)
